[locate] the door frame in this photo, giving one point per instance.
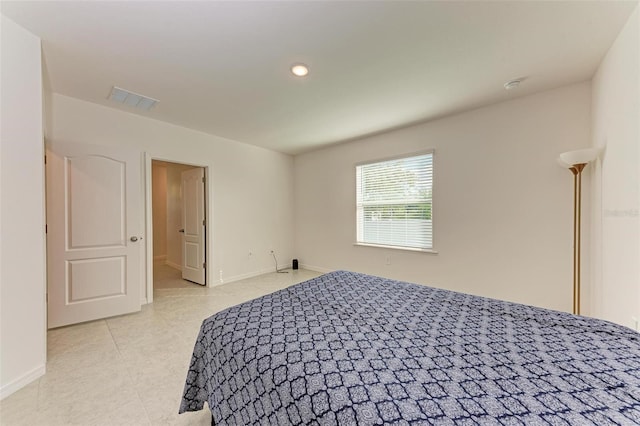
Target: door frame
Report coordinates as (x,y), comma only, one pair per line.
(148,204)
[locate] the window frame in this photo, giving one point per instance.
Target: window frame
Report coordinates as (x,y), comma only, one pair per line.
(430,151)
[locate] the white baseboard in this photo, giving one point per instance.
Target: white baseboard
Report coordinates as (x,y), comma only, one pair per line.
(23,381)
(245,276)
(160,258)
(173,265)
(316,268)
(227,280)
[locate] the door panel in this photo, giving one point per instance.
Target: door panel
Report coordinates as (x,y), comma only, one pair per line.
(193,238)
(191,255)
(93,210)
(94,279)
(85,179)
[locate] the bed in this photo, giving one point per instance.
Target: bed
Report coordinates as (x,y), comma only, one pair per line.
(352,349)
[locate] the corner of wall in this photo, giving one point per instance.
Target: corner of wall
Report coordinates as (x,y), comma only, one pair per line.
(615,227)
(22,249)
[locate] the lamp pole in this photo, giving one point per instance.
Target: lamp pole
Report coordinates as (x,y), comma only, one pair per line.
(576,161)
(576,169)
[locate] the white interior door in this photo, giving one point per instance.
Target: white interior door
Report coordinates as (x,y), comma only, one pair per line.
(94,233)
(193,255)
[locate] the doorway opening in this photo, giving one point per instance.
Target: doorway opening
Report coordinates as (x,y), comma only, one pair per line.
(179,226)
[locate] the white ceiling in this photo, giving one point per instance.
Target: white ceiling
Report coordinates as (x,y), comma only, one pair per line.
(223,67)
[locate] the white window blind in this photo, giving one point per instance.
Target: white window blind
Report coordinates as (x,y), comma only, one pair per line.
(394,202)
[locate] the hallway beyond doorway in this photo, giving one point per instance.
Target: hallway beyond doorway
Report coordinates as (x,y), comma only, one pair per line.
(164,276)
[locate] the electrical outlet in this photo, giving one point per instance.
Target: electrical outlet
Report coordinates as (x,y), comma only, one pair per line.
(221,281)
(387,260)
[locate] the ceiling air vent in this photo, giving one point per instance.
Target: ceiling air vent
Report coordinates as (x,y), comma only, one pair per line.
(132,99)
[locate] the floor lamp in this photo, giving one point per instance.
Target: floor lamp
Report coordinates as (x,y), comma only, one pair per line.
(576,161)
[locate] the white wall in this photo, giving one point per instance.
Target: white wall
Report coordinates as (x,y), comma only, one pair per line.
(616,207)
(22,251)
(250,193)
(502,205)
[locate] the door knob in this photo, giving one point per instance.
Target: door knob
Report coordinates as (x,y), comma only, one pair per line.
(181,230)
(134,238)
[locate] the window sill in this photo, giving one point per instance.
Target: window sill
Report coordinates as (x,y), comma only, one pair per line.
(429,251)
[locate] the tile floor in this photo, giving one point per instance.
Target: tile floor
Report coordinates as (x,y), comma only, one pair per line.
(130,370)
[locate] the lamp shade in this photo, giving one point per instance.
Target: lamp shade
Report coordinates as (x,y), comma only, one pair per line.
(580,156)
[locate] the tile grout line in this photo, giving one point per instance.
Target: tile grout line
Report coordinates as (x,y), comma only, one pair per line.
(38,402)
(124,365)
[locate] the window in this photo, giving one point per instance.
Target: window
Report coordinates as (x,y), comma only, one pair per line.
(394,202)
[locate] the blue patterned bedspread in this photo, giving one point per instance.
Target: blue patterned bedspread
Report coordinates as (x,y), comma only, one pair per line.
(353,349)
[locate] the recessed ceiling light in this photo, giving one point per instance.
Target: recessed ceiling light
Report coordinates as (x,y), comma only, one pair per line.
(300,70)
(512,84)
